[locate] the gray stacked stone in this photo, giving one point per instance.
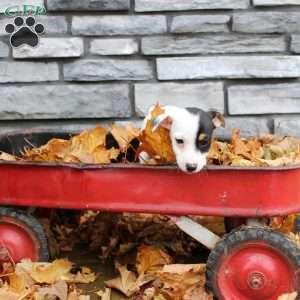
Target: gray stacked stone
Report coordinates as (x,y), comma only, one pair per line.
(65,101)
(114,46)
(114,59)
(165,5)
(119,25)
(232,67)
(52,48)
(90,5)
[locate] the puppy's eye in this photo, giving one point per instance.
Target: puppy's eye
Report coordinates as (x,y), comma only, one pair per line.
(180,141)
(203,138)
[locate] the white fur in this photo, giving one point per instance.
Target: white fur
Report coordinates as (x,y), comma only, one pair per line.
(184,126)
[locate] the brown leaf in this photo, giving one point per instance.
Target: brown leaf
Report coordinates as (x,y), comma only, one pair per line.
(89,147)
(151,258)
(85,275)
(74,295)
(104,156)
(125,283)
(159,297)
(267,151)
(291,296)
(124,135)
(197,292)
(6,294)
(178,279)
(7,157)
(157,143)
(184,268)
(20,281)
(46,272)
(84,297)
(104,295)
(89,140)
(58,289)
(283,224)
(249,149)
(56,150)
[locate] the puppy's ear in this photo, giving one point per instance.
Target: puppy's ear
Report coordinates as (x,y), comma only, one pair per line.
(163,120)
(217,119)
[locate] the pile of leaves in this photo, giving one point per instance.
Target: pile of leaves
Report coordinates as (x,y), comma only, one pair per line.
(156,277)
(113,235)
(43,281)
(126,144)
(97,145)
(267,151)
(160,271)
(153,276)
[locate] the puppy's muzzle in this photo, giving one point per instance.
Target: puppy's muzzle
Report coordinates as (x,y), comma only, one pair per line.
(191,167)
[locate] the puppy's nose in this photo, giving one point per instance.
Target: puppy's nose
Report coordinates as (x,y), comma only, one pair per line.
(191,167)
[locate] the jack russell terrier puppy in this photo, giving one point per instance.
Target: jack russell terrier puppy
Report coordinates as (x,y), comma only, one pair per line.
(191,131)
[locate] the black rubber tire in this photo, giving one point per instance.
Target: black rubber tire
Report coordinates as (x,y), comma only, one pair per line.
(276,239)
(33,225)
(297,224)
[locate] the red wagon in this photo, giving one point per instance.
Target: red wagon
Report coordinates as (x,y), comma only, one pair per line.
(250,262)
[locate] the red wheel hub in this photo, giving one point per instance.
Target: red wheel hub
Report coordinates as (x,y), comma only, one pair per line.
(255,270)
(16,241)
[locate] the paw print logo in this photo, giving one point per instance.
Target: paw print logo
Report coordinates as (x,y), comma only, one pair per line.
(24,32)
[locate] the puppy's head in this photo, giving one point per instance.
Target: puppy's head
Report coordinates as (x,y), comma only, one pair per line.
(191,132)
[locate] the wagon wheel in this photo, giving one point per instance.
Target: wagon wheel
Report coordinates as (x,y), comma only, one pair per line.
(253,263)
(21,236)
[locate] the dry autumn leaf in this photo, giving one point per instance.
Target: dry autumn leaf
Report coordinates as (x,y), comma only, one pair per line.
(126,283)
(184,268)
(76,295)
(291,296)
(7,157)
(157,143)
(58,289)
(84,297)
(197,292)
(56,150)
(6,294)
(20,281)
(84,275)
(47,272)
(179,279)
(89,140)
(41,281)
(283,224)
(104,295)
(151,259)
(159,297)
(103,156)
(295,237)
(267,151)
(89,147)
(124,135)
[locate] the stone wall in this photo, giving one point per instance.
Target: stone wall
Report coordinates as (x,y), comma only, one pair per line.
(103,61)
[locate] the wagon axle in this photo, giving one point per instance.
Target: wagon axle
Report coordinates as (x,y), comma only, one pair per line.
(256,280)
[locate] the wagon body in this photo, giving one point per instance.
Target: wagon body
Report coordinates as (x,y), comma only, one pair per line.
(250,262)
(216,191)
